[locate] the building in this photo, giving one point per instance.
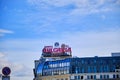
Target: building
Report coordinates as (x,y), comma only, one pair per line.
(70,68)
(116,54)
(91,68)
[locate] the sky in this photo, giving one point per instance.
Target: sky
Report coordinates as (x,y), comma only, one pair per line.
(90,27)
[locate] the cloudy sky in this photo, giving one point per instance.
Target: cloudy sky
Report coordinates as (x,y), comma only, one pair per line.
(90,27)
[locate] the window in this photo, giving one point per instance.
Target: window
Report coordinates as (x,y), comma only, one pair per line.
(82,61)
(88,77)
(66,78)
(117,76)
(81,77)
(67,71)
(89,70)
(107,76)
(94,76)
(114,76)
(91,76)
(101,68)
(95,69)
(76,70)
(100,76)
(104,76)
(82,70)
(95,61)
(75,77)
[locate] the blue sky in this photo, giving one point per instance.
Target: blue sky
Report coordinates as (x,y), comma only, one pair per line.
(91,28)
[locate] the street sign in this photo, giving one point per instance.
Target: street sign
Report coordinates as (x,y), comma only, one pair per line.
(6,71)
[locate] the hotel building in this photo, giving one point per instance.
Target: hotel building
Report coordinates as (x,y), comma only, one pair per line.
(75,68)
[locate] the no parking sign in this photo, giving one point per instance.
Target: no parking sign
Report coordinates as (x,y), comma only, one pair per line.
(6,72)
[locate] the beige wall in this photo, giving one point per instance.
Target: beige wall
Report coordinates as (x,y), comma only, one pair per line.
(56,77)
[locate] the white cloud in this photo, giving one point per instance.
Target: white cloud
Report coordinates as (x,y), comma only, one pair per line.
(93,43)
(96,43)
(1,55)
(21,78)
(17,70)
(4,31)
(80,6)
(118,2)
(103,17)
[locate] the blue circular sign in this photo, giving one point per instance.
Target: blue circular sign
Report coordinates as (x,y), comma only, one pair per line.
(56,44)
(6,71)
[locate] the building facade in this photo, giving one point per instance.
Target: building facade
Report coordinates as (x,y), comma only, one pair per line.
(89,68)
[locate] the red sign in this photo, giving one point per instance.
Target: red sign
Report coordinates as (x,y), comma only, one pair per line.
(56,51)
